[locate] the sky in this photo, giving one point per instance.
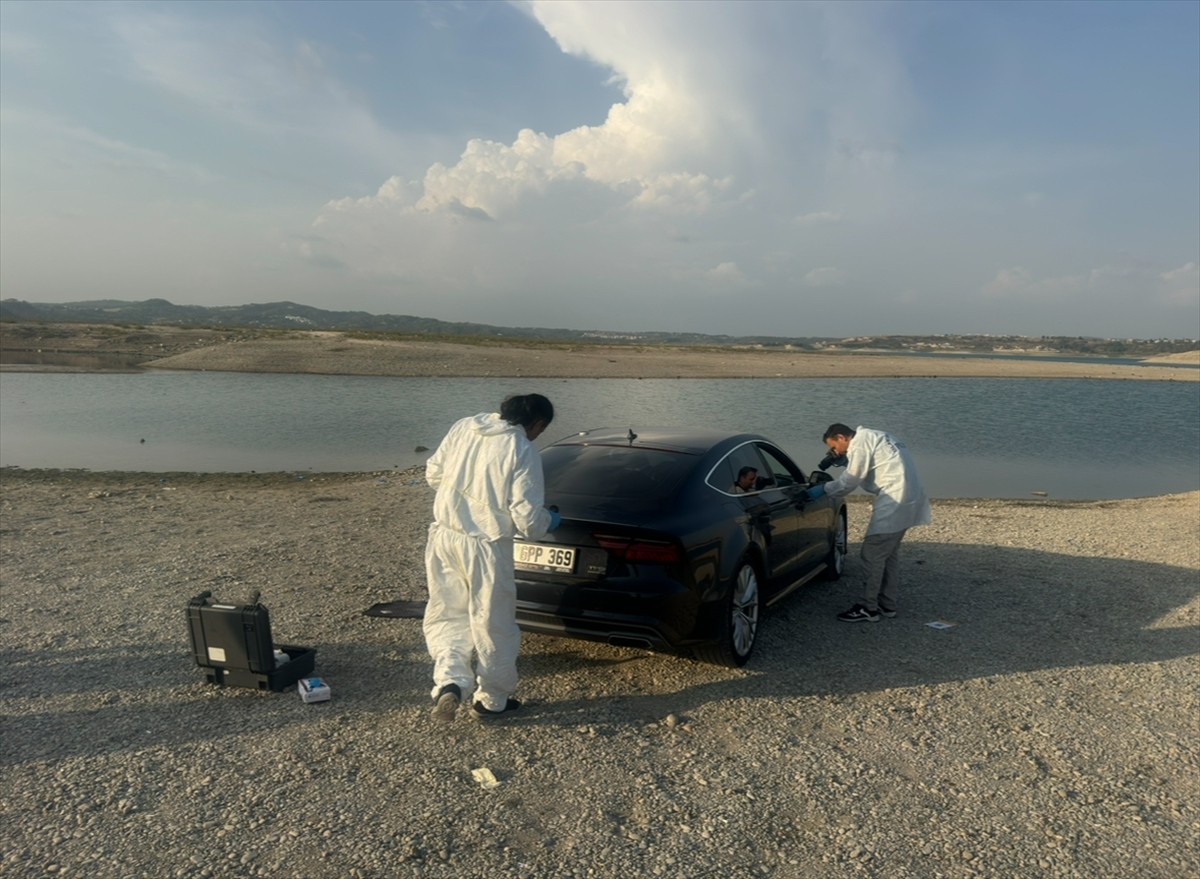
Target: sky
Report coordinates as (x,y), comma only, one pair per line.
(744,168)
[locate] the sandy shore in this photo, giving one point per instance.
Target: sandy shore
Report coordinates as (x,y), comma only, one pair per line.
(333,353)
(1050,731)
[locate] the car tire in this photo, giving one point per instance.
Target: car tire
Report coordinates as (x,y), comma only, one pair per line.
(835,561)
(740,615)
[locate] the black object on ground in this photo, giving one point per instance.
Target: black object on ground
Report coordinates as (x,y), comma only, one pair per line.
(397,610)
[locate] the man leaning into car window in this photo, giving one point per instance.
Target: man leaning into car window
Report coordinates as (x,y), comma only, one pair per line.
(746,479)
(880,465)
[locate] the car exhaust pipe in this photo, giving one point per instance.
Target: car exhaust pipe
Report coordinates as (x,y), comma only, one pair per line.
(629,641)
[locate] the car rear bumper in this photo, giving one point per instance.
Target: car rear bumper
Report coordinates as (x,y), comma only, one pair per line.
(655,614)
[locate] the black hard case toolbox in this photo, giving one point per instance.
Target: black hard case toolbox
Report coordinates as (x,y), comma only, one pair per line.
(232,643)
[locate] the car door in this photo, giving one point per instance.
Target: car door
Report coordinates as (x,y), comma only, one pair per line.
(769,514)
(773,503)
(809,522)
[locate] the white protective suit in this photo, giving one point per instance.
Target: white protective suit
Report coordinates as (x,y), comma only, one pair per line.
(880,464)
(488,477)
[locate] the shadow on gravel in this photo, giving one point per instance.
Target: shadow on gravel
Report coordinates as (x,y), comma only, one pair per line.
(100,701)
(1013,611)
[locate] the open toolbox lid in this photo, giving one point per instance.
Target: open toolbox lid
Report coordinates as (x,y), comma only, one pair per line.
(231,635)
(233,643)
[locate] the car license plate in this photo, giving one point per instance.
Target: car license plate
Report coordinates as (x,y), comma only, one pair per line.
(539,557)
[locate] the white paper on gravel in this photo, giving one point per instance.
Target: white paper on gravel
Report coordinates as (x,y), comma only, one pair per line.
(486,778)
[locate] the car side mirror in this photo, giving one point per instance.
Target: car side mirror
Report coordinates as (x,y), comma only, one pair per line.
(819,476)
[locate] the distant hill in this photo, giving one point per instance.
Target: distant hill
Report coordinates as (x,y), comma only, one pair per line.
(291,315)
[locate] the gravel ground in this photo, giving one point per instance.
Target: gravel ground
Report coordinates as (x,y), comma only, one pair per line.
(1051,731)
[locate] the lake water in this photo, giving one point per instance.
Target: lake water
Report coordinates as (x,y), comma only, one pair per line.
(1072,439)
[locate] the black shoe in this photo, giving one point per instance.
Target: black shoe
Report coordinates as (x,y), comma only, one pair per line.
(887,613)
(859,614)
(481,713)
(446,703)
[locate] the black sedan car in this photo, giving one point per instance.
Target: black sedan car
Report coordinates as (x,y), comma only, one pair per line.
(661,547)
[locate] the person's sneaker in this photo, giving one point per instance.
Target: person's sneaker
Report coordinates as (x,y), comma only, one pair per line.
(859,614)
(481,713)
(446,705)
(887,613)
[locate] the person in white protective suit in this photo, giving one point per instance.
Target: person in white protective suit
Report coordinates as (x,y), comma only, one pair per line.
(881,465)
(488,476)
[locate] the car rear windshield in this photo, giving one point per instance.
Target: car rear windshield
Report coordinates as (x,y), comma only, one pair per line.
(614,471)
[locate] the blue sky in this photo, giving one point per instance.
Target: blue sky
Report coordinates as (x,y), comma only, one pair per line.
(748,168)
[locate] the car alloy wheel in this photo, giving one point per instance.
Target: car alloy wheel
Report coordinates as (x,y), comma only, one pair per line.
(835,562)
(738,621)
(743,621)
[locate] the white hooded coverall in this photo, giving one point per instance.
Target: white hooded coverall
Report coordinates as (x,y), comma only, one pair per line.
(488,477)
(880,464)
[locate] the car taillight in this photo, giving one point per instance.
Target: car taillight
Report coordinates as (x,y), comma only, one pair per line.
(635,549)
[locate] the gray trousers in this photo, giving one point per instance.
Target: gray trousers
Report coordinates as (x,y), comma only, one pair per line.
(881,570)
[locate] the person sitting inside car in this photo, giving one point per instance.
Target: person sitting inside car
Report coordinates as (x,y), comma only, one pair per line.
(746,480)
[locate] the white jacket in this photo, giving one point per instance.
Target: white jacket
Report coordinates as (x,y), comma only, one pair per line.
(880,464)
(489,482)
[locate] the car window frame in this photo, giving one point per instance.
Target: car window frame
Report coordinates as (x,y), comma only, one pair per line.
(762,468)
(783,458)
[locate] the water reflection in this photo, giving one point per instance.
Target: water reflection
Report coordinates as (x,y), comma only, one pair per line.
(971,437)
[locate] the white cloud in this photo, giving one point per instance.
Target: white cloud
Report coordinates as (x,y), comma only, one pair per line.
(15,44)
(1018,283)
(727,273)
(1181,286)
(237,73)
(875,156)
(491,177)
(1186,273)
(818,218)
(80,146)
(826,276)
(686,156)
(1110,285)
(680,192)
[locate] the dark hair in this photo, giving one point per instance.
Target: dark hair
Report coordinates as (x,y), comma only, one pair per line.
(746,470)
(837,429)
(525,410)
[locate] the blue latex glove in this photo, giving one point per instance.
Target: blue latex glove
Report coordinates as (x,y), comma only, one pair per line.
(555,520)
(816,492)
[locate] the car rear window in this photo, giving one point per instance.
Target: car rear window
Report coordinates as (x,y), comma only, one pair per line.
(614,471)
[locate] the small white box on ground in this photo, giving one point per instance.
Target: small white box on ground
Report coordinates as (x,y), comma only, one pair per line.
(313,690)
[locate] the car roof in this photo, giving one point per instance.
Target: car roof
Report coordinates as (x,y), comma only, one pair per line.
(693,440)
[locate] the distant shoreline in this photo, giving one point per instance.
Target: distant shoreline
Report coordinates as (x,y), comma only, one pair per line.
(338,353)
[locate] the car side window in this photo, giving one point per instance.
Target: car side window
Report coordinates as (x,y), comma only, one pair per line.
(724,475)
(784,471)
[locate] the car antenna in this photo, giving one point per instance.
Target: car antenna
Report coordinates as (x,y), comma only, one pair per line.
(632,436)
